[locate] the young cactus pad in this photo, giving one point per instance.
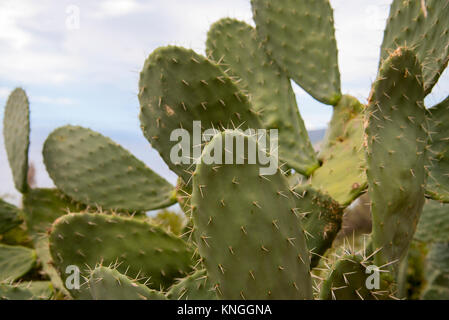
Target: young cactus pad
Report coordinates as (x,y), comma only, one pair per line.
(247,230)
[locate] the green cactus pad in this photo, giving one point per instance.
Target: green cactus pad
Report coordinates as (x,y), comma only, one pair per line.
(246,229)
(178,86)
(109,284)
(342,174)
(422,26)
(396,137)
(196,286)
(16,133)
(9,217)
(437,270)
(94,170)
(85,239)
(321,219)
(347,281)
(300,36)
(438,183)
(15,261)
(42,207)
(344,125)
(36,290)
(433,225)
(235,45)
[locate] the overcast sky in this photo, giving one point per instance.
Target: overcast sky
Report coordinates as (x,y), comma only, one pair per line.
(79,61)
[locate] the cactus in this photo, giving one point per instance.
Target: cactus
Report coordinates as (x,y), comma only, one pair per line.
(196,286)
(9,216)
(433,225)
(300,36)
(16,131)
(342,174)
(420,25)
(109,284)
(438,273)
(252,242)
(140,248)
(235,47)
(72,154)
(321,219)
(15,261)
(438,184)
(41,208)
(396,132)
(189,88)
(248,234)
(36,290)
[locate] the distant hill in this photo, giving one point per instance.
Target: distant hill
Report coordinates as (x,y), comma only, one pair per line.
(316,135)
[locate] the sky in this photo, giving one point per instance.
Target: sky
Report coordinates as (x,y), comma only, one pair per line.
(79,62)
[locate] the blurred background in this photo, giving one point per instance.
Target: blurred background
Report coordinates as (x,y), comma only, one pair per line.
(79,63)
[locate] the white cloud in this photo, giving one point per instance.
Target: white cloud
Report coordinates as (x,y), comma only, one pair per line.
(4,92)
(10,13)
(53,100)
(115,8)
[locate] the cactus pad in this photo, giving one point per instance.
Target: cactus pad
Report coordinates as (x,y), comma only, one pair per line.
(16,133)
(235,45)
(109,284)
(94,170)
(196,286)
(438,183)
(342,174)
(9,217)
(300,36)
(42,207)
(36,290)
(321,219)
(396,137)
(15,261)
(438,272)
(247,231)
(420,25)
(347,281)
(178,86)
(433,225)
(139,247)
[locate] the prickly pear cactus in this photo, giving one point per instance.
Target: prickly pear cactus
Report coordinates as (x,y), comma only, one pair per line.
(177,87)
(138,247)
(109,284)
(16,132)
(94,170)
(236,48)
(246,230)
(300,36)
(250,233)
(396,133)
